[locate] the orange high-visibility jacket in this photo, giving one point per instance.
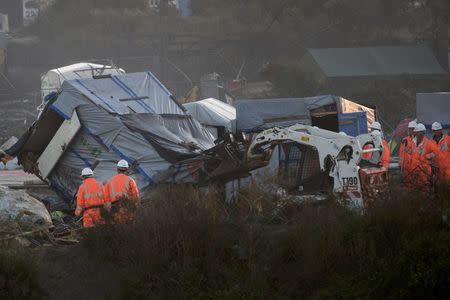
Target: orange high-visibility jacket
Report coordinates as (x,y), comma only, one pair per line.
(424,155)
(405,159)
(404,153)
(367,156)
(122,187)
(443,160)
(385,155)
(90,198)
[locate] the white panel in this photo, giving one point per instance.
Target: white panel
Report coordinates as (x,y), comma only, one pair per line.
(58,145)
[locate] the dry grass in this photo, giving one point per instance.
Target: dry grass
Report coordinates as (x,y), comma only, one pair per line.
(18,279)
(187,243)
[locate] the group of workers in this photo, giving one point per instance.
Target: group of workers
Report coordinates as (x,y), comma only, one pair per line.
(117,199)
(425,162)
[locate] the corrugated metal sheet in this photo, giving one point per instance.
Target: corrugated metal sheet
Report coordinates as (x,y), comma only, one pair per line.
(376,61)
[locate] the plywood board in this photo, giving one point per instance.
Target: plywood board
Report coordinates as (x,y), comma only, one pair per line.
(58,145)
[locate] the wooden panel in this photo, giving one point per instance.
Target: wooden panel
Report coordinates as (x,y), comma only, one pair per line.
(58,145)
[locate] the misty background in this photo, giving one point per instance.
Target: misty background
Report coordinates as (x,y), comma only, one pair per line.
(256,47)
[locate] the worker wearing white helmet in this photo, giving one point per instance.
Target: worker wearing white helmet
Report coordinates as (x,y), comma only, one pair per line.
(375,126)
(423,157)
(90,199)
(122,193)
(405,155)
(386,154)
(436,127)
(443,159)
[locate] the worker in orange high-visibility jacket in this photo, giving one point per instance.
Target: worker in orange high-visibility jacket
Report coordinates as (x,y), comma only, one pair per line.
(443,159)
(386,154)
(423,158)
(90,199)
(405,154)
(122,194)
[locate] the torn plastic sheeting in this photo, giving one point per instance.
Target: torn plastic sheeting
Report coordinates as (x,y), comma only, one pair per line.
(94,121)
(174,137)
(134,148)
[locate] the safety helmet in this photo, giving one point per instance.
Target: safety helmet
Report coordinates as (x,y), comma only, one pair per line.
(376,126)
(420,128)
(342,133)
(87,172)
(412,124)
(436,126)
(122,164)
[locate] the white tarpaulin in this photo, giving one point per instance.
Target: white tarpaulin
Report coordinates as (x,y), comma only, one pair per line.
(213,112)
(52,80)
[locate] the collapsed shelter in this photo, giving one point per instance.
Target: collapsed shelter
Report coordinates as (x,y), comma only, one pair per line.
(95,122)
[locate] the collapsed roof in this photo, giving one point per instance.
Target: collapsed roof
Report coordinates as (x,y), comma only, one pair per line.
(96,122)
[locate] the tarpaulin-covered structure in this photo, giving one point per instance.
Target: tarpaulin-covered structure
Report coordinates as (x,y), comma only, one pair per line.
(327,112)
(96,122)
(213,114)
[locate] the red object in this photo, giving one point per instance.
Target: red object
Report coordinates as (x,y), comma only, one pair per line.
(124,188)
(385,156)
(374,182)
(367,156)
(90,198)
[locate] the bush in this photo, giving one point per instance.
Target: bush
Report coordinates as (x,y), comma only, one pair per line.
(18,279)
(186,243)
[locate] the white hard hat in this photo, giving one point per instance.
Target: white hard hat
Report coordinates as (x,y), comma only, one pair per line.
(436,126)
(375,125)
(342,133)
(123,164)
(87,172)
(420,128)
(412,124)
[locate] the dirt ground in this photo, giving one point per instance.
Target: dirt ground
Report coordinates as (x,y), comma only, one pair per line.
(68,272)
